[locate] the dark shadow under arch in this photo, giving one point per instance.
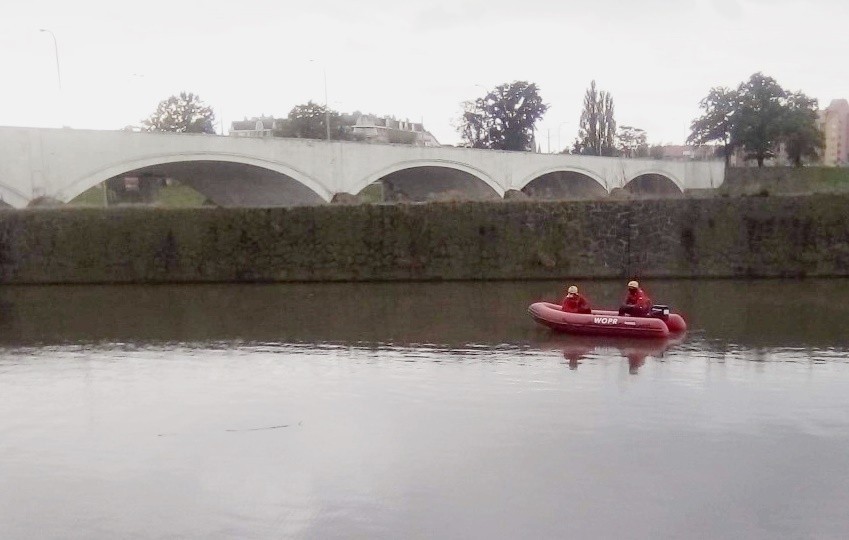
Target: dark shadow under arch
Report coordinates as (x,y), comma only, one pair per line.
(568,185)
(653,185)
(433,183)
(233,184)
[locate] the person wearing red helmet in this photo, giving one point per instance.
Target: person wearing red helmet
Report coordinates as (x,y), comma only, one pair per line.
(637,303)
(574,302)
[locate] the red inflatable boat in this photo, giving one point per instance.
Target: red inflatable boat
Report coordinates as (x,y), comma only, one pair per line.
(607,323)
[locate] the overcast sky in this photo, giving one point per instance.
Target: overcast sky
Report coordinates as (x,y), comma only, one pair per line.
(416,60)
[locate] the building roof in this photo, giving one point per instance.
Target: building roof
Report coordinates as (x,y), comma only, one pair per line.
(252,124)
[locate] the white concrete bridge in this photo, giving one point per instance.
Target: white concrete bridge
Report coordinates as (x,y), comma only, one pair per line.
(60,164)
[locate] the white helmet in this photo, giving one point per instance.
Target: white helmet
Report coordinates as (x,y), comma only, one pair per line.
(633,285)
(573,290)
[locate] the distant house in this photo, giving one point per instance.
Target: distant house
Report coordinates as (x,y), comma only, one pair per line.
(366,128)
(687,152)
(370,128)
(834,123)
(264,126)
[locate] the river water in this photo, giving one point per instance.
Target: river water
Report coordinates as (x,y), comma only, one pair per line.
(420,410)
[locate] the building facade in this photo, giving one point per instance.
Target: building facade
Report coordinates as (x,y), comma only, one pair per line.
(688,152)
(370,128)
(263,126)
(834,123)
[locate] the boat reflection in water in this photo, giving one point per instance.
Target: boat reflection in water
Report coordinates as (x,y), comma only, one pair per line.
(635,350)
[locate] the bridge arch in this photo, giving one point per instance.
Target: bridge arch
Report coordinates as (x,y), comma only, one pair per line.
(12,197)
(655,172)
(567,169)
(358,186)
(558,183)
(97,176)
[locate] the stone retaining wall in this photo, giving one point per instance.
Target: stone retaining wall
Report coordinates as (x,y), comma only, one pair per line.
(715,237)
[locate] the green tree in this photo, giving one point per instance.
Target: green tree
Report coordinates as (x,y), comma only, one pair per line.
(759,120)
(632,142)
(577,148)
(309,121)
(801,136)
(656,152)
(184,113)
(759,116)
(504,118)
(715,124)
(597,132)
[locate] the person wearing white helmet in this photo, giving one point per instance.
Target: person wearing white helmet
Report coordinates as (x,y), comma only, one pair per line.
(574,302)
(637,303)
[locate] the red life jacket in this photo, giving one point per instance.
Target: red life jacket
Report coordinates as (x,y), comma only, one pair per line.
(576,304)
(639,298)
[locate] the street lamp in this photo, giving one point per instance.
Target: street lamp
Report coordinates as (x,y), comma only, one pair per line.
(326,104)
(56,54)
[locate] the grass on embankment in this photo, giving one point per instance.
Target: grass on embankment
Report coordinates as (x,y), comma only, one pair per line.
(173,196)
(784,181)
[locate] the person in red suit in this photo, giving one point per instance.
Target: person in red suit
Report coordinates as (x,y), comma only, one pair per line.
(637,303)
(574,302)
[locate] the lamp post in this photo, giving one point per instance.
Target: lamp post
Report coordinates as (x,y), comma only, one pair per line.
(58,74)
(326,104)
(56,54)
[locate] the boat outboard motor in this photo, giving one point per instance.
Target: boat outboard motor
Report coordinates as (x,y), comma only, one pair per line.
(659,311)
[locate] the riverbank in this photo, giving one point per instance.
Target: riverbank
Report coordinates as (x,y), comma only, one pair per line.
(679,238)
(743,181)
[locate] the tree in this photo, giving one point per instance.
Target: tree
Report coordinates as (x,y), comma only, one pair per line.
(309,121)
(606,125)
(656,152)
(185,113)
(716,122)
(632,142)
(759,116)
(597,131)
(577,147)
(759,120)
(801,136)
(589,140)
(504,118)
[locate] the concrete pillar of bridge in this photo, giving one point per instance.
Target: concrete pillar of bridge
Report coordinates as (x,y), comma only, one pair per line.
(515,194)
(44,201)
(345,198)
(36,163)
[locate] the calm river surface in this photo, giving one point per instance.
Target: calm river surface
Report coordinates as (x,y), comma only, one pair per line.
(420,410)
